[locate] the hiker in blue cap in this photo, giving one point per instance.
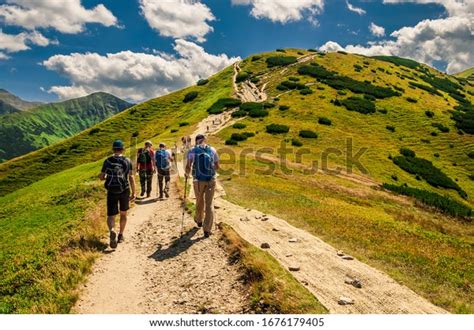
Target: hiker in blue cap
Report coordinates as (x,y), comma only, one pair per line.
(118,176)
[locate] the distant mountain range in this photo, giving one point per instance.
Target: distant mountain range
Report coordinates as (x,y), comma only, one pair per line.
(27,126)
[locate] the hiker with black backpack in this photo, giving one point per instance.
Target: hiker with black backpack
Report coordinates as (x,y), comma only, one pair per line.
(146,168)
(118,175)
(204,162)
(163,159)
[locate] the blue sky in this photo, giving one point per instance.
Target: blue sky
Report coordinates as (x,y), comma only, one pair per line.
(238,30)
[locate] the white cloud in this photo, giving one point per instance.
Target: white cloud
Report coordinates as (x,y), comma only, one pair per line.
(3,56)
(449,39)
(178,18)
(135,76)
(66,16)
(355,9)
(12,43)
(376,30)
(284,11)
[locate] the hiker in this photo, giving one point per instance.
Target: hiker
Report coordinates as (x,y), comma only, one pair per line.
(163,159)
(146,168)
(188,142)
(204,161)
(118,175)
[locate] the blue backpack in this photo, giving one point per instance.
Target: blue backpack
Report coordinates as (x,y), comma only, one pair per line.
(203,167)
(162,159)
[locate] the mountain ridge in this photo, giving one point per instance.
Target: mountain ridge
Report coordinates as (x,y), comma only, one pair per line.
(10,103)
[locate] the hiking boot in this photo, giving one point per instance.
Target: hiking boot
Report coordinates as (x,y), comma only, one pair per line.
(113,241)
(142,194)
(120,238)
(166,194)
(161,197)
(207,234)
(199,224)
(148,195)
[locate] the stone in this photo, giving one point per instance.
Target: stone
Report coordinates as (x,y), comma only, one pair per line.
(275,229)
(265,219)
(293,240)
(217,207)
(340,253)
(265,246)
(348,258)
(289,255)
(354,282)
(345,301)
(294,268)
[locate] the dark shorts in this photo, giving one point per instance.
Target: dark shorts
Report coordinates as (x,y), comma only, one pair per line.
(118,201)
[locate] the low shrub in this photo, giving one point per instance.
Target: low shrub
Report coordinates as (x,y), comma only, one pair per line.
(190,96)
(424,87)
(293,78)
(255,80)
(296,143)
(231,142)
(93,131)
(324,121)
(281,50)
(394,177)
(173,130)
(411,100)
(464,121)
(258,113)
(358,104)
(242,76)
(441,127)
(407,152)
(434,133)
(390,128)
(436,155)
(308,134)
(289,85)
(183,123)
(277,129)
(223,104)
(471,155)
(442,203)
(239,126)
(238,137)
(202,82)
(256,58)
(306,91)
(398,61)
(280,61)
(429,114)
(283,107)
(239,114)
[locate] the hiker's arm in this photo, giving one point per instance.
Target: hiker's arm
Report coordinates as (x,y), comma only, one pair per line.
(102,176)
(102,171)
(132,184)
(217,166)
(189,164)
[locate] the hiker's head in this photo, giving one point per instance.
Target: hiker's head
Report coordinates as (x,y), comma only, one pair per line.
(118,146)
(148,144)
(200,139)
(162,145)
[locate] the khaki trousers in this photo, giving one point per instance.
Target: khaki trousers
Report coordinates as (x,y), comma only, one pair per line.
(204,191)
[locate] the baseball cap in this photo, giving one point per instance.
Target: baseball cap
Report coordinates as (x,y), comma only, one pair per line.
(149,143)
(199,138)
(162,145)
(118,144)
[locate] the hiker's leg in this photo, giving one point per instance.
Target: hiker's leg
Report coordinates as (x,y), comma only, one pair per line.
(209,200)
(199,192)
(160,181)
(167,180)
(149,181)
(111,222)
(142,180)
(124,206)
(112,210)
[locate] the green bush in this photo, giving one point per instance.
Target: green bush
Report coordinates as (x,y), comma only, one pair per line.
(358,104)
(464,121)
(429,114)
(173,130)
(398,61)
(242,76)
(343,82)
(202,82)
(441,127)
(293,78)
(239,126)
(289,85)
(434,133)
(427,88)
(231,142)
(471,155)
(308,134)
(277,129)
(256,58)
(284,107)
(93,131)
(223,104)
(238,137)
(383,111)
(426,170)
(357,67)
(280,61)
(190,96)
(306,91)
(411,100)
(341,93)
(183,123)
(255,80)
(239,114)
(281,50)
(296,143)
(442,203)
(324,121)
(258,113)
(407,152)
(390,128)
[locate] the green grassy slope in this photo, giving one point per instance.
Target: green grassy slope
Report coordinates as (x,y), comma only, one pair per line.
(467,74)
(10,103)
(430,252)
(25,131)
(51,228)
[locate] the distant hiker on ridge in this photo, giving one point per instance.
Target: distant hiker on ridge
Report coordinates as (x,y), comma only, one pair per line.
(204,161)
(118,175)
(146,168)
(163,159)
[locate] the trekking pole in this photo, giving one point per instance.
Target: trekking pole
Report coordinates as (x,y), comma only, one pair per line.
(184,205)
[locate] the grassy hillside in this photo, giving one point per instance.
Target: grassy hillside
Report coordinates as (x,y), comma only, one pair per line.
(467,74)
(48,246)
(400,113)
(25,131)
(10,103)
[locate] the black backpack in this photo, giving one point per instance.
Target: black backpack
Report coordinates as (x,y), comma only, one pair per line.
(144,156)
(117,171)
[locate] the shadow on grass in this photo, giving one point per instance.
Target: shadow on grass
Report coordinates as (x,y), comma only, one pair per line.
(177,246)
